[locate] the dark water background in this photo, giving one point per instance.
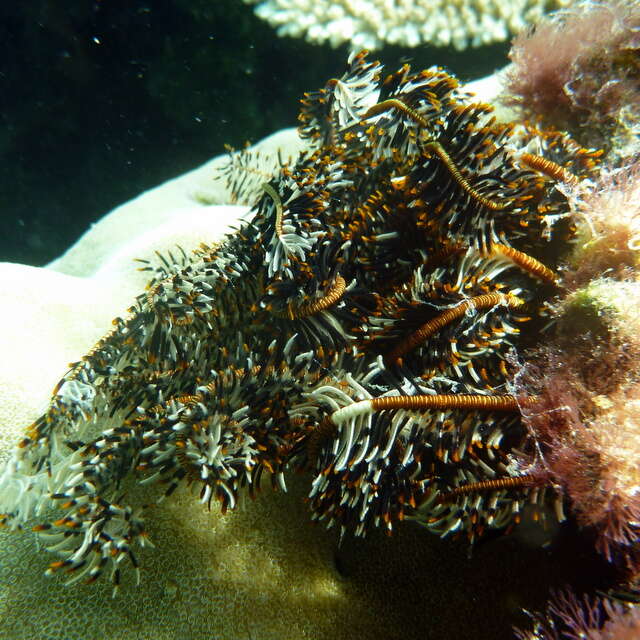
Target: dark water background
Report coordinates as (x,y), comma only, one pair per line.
(100,100)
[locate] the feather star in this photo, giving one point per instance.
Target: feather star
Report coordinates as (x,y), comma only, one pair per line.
(357,327)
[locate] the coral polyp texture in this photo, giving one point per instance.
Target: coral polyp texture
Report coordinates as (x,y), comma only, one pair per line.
(373,23)
(359,326)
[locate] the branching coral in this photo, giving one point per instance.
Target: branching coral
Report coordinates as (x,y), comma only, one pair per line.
(372,23)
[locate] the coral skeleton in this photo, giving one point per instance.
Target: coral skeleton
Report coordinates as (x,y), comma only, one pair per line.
(359,327)
(371,24)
